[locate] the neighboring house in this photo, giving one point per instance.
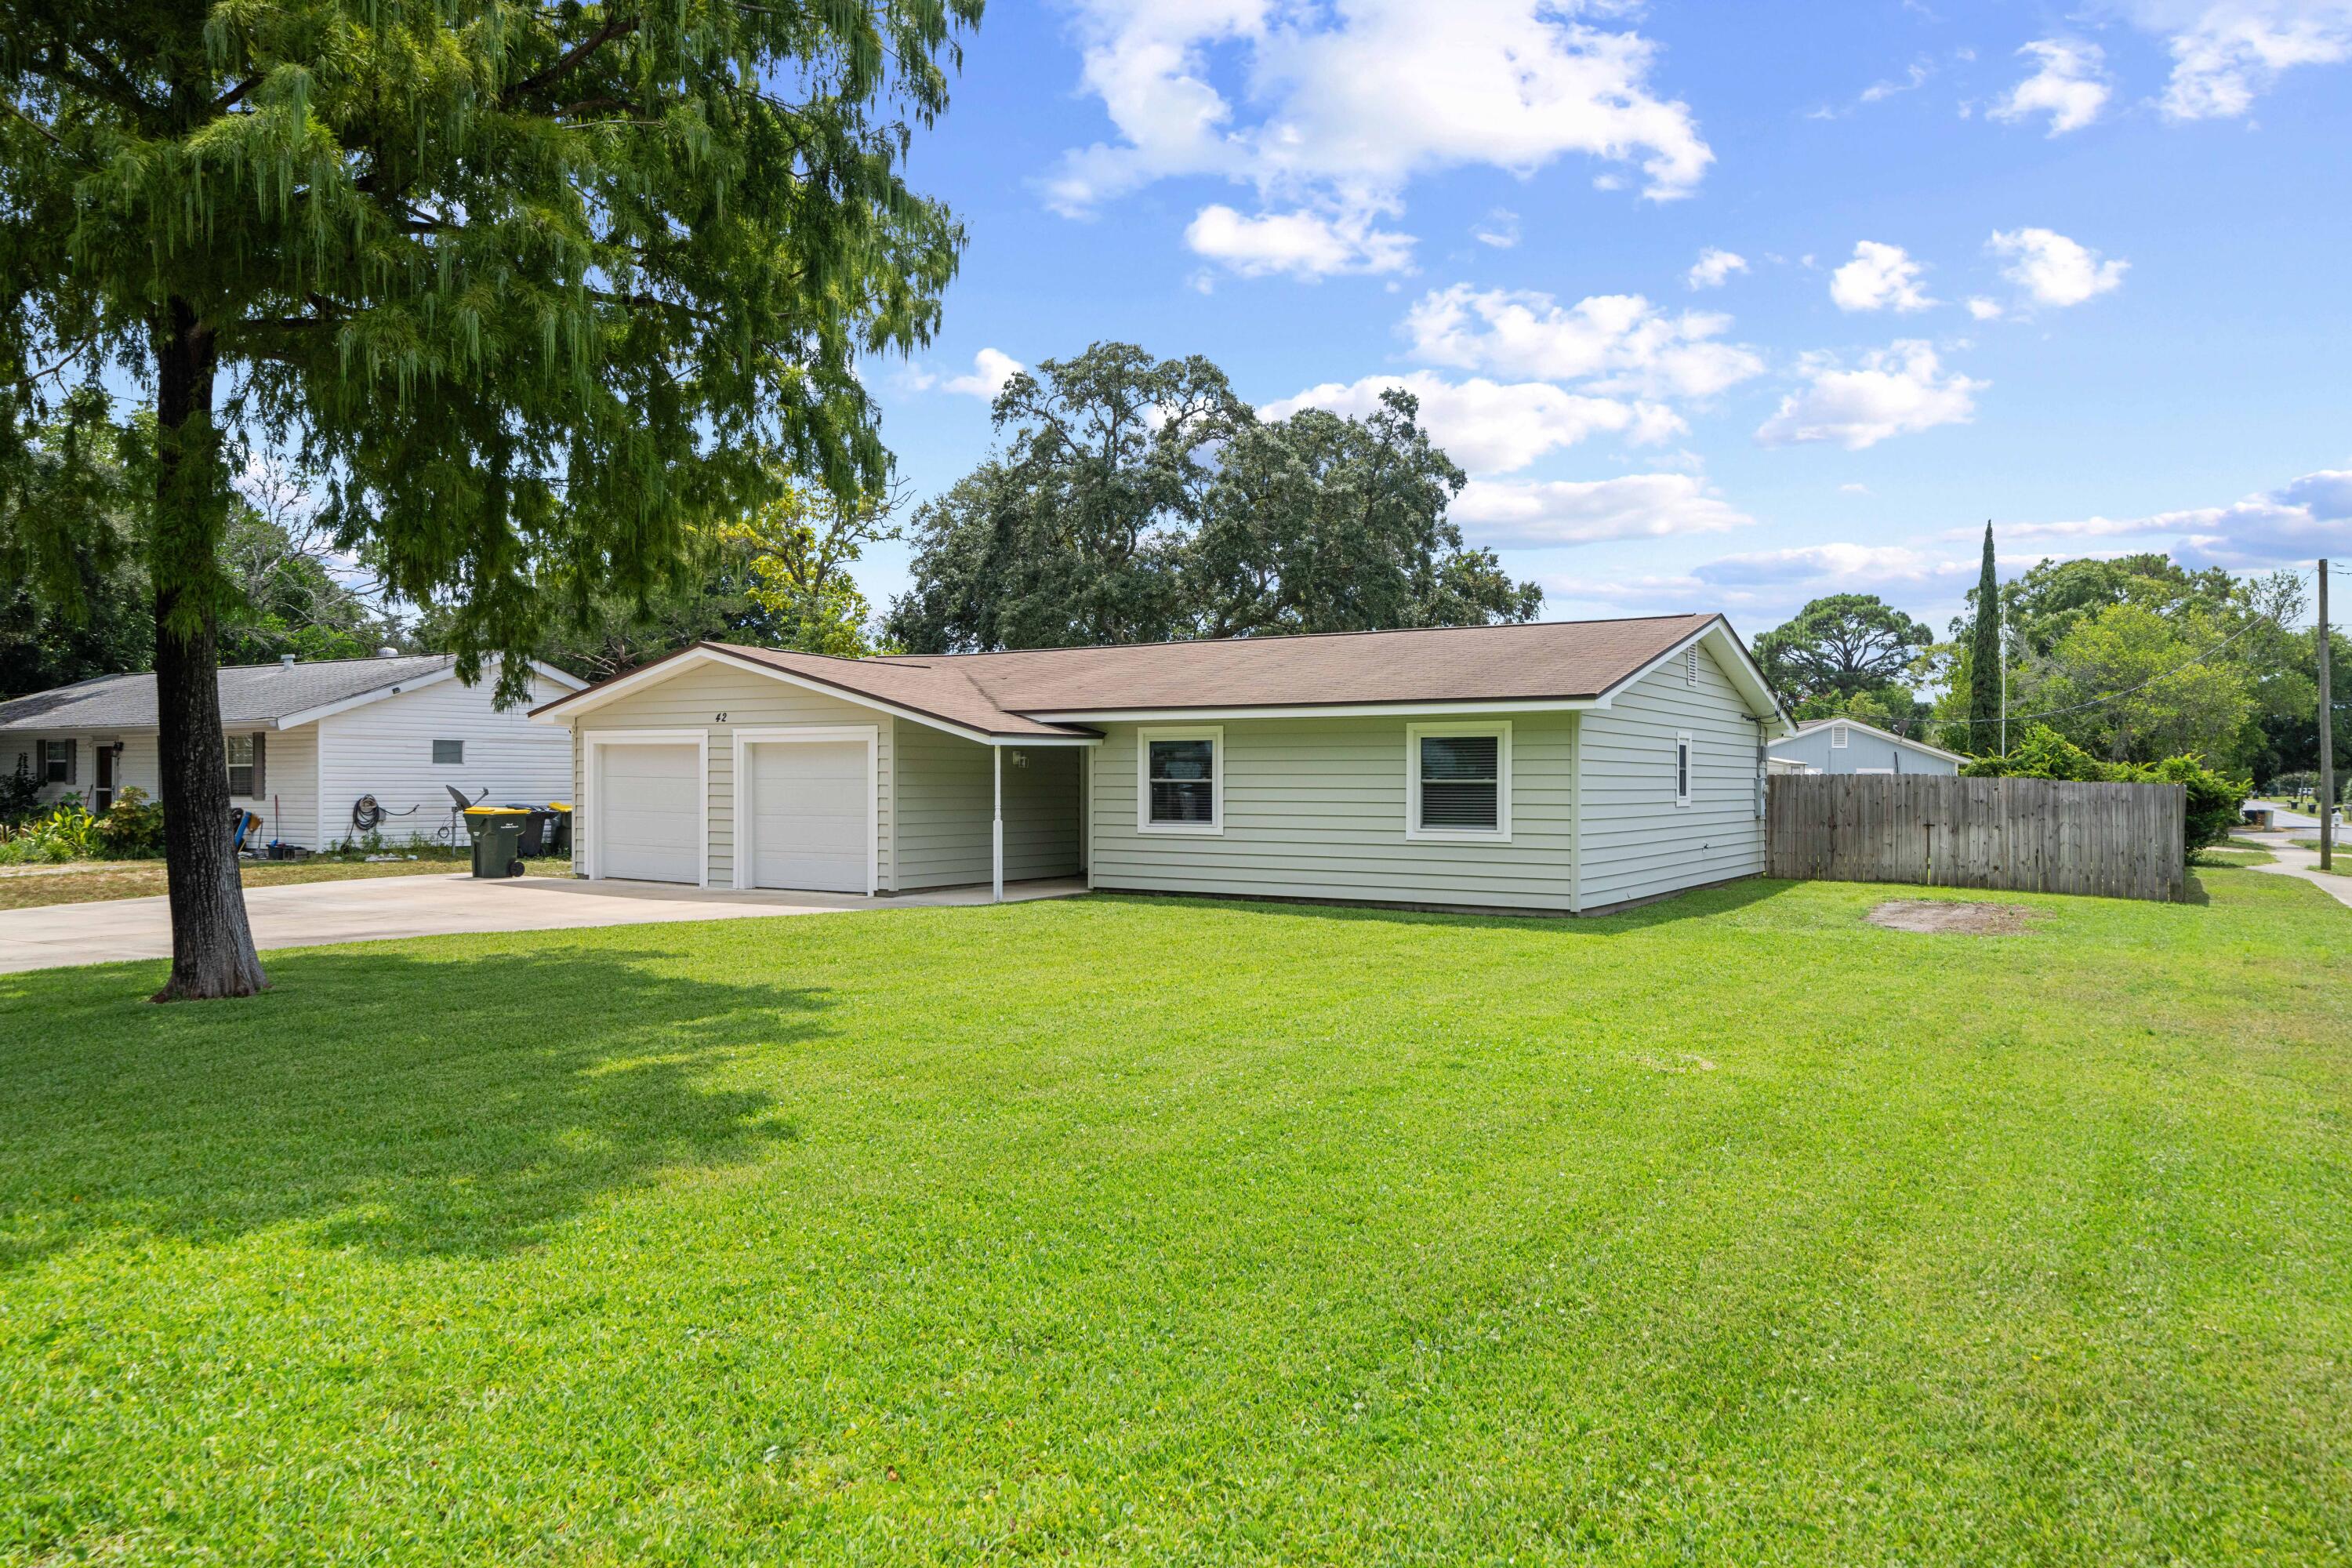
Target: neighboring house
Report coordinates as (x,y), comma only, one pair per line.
(1564,767)
(306,740)
(1850,746)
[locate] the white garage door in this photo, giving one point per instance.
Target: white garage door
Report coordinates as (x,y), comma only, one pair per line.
(649,814)
(809,815)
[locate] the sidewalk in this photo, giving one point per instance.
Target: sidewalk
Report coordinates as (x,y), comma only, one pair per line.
(2304,863)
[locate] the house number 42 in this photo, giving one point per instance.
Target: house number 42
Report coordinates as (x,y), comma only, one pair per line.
(718,717)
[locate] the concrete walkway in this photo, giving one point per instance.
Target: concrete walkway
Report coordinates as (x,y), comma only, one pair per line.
(2304,863)
(313,914)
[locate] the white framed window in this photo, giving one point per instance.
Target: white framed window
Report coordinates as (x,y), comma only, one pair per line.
(244,766)
(1180,779)
(57,762)
(1457,782)
(1683,769)
(447,752)
(1839,736)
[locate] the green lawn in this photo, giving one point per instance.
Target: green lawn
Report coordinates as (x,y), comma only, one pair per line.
(1732,1231)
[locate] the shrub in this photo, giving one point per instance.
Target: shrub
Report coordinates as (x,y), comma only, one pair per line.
(64,834)
(2214,798)
(20,796)
(132,829)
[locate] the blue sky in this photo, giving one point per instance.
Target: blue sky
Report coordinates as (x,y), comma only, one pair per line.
(2081,270)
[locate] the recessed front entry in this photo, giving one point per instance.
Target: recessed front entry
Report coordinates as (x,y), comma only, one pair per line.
(648,823)
(809,813)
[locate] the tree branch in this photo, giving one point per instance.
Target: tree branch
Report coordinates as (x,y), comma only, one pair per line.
(571,59)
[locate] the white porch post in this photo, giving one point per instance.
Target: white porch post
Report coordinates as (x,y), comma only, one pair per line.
(996,760)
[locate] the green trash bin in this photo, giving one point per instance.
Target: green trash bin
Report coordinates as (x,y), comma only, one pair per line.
(496,834)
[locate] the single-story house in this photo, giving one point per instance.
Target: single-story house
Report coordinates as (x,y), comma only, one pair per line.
(306,740)
(1851,746)
(1562,767)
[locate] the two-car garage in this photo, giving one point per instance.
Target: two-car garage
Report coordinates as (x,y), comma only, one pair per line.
(724,767)
(802,809)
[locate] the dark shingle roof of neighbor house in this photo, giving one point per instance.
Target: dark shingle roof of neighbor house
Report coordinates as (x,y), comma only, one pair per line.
(249,693)
(1006,693)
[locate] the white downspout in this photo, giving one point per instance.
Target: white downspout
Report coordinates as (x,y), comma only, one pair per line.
(996,760)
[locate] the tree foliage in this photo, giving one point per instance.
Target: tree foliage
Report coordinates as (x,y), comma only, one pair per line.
(1987,694)
(539,290)
(1846,656)
(1140,500)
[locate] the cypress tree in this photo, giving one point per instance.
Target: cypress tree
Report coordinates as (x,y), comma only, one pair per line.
(542,288)
(1984,661)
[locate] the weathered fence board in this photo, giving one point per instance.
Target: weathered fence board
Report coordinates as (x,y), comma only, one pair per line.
(2042,835)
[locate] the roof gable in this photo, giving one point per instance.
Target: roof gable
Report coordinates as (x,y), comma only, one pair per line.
(274,696)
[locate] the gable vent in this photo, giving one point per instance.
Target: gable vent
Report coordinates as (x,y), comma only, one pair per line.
(1690,665)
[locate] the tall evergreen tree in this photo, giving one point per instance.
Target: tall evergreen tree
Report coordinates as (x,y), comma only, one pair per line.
(1984,661)
(542,287)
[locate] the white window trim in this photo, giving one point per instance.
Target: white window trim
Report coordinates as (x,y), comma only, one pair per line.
(1685,770)
(584,821)
(1840,737)
(870,734)
(1499,834)
(1213,733)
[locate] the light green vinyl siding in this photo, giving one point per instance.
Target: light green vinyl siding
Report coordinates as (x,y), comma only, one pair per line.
(693,698)
(948,804)
(1315,808)
(1637,843)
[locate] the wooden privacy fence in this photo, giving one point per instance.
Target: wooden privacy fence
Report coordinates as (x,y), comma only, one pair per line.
(2036,836)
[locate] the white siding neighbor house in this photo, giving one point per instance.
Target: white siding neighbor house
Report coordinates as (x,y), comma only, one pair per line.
(306,740)
(1567,767)
(1850,746)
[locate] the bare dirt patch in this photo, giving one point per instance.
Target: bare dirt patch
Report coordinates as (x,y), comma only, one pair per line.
(1945,918)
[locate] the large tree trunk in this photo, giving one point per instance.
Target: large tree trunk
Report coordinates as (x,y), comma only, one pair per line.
(212,944)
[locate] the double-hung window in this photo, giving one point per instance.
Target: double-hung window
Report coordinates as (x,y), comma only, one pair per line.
(57,762)
(1458,781)
(1181,786)
(244,766)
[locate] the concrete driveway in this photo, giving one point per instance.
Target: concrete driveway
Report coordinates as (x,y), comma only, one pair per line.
(313,914)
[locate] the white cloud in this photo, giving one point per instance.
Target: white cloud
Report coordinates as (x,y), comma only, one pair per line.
(1491,428)
(1713,268)
(991,369)
(2291,525)
(2070,86)
(1302,244)
(1912,80)
(2053,269)
(1500,231)
(2225,53)
(1984,310)
(1764,586)
(1879,278)
(1855,490)
(1896,391)
(1345,104)
(1634,506)
(1618,342)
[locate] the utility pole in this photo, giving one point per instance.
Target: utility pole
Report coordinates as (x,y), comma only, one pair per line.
(2327,737)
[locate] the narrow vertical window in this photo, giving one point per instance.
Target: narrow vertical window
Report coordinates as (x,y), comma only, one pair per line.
(240,765)
(1682,770)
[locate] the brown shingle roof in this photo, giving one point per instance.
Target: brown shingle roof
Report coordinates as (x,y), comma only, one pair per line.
(1441,664)
(1003,693)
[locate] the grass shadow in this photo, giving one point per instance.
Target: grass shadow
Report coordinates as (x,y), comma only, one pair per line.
(409,1103)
